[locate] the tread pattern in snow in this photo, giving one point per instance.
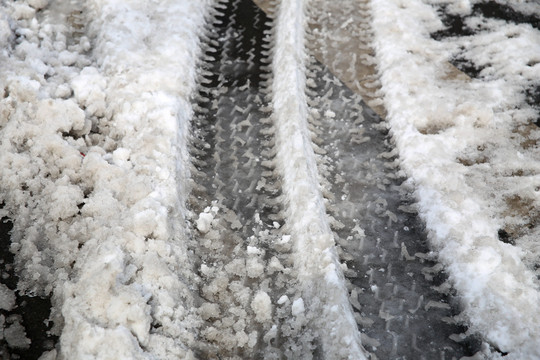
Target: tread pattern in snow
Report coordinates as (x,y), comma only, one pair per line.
(396,288)
(389,270)
(244,258)
(230,118)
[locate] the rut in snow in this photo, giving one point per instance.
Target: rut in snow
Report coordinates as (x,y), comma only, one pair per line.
(403,305)
(244,258)
(245,262)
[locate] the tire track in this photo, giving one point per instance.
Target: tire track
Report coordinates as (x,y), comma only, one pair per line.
(320,278)
(476,185)
(403,305)
(244,257)
(390,289)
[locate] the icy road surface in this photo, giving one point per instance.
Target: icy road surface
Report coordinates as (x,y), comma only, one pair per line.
(242,179)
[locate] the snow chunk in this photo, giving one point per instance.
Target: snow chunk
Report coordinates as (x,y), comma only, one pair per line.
(271,334)
(254,268)
(274,265)
(121,156)
(298,307)
(68,58)
(204,222)
(60,115)
(284,239)
(49,355)
(236,267)
(262,306)
(88,88)
(15,336)
(145,222)
(330,114)
(7,298)
(64,201)
(23,11)
(209,310)
(460,7)
(252,250)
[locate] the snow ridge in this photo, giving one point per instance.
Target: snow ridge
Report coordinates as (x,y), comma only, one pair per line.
(95,155)
(143,305)
(431,121)
(315,259)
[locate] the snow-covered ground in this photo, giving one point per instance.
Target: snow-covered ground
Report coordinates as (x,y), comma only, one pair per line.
(469,147)
(97,101)
(95,115)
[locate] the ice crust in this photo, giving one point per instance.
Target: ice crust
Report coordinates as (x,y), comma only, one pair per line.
(459,142)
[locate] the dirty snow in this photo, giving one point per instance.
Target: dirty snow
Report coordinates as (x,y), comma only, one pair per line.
(461,142)
(95,108)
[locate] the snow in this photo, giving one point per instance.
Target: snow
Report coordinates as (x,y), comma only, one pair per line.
(95,106)
(96,181)
(308,224)
(262,306)
(282,300)
(15,335)
(436,122)
(298,307)
(204,222)
(149,109)
(7,298)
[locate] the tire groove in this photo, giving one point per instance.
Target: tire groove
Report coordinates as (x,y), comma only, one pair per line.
(243,256)
(399,312)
